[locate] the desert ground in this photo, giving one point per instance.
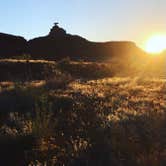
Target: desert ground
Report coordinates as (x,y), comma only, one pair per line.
(80,113)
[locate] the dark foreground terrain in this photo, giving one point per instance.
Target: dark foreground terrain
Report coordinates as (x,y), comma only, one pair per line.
(82,114)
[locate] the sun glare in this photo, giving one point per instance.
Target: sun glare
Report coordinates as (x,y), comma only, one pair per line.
(156,44)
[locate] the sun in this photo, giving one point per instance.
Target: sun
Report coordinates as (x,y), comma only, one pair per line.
(156,44)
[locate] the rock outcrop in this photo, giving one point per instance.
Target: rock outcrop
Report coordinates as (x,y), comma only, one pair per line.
(58,44)
(56,31)
(11,46)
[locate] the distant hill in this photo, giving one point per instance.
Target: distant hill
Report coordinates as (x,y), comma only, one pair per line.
(58,45)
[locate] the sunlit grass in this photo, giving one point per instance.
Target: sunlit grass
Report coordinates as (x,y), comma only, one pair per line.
(121,117)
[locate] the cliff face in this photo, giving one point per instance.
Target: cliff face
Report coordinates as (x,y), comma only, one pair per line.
(11,46)
(58,45)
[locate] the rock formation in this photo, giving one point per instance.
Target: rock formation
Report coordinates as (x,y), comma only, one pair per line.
(11,46)
(56,31)
(58,44)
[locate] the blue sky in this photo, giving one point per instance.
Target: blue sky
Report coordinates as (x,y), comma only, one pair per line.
(96,20)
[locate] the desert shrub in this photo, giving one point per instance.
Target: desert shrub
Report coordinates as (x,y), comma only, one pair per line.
(101,122)
(64,61)
(23,56)
(86,70)
(26,70)
(43,121)
(58,80)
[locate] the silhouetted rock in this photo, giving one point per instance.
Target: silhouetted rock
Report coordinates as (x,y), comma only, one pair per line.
(56,31)
(11,45)
(58,45)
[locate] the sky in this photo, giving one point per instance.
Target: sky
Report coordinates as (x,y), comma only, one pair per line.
(95,20)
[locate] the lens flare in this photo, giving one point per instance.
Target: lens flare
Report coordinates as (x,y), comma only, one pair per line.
(156,44)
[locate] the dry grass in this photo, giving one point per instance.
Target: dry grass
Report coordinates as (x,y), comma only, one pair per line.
(113,121)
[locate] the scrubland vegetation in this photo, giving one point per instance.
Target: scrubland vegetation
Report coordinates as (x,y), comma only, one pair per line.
(97,118)
(67,101)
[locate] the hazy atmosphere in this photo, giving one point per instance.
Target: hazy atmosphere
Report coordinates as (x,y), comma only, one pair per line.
(96,20)
(83,83)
